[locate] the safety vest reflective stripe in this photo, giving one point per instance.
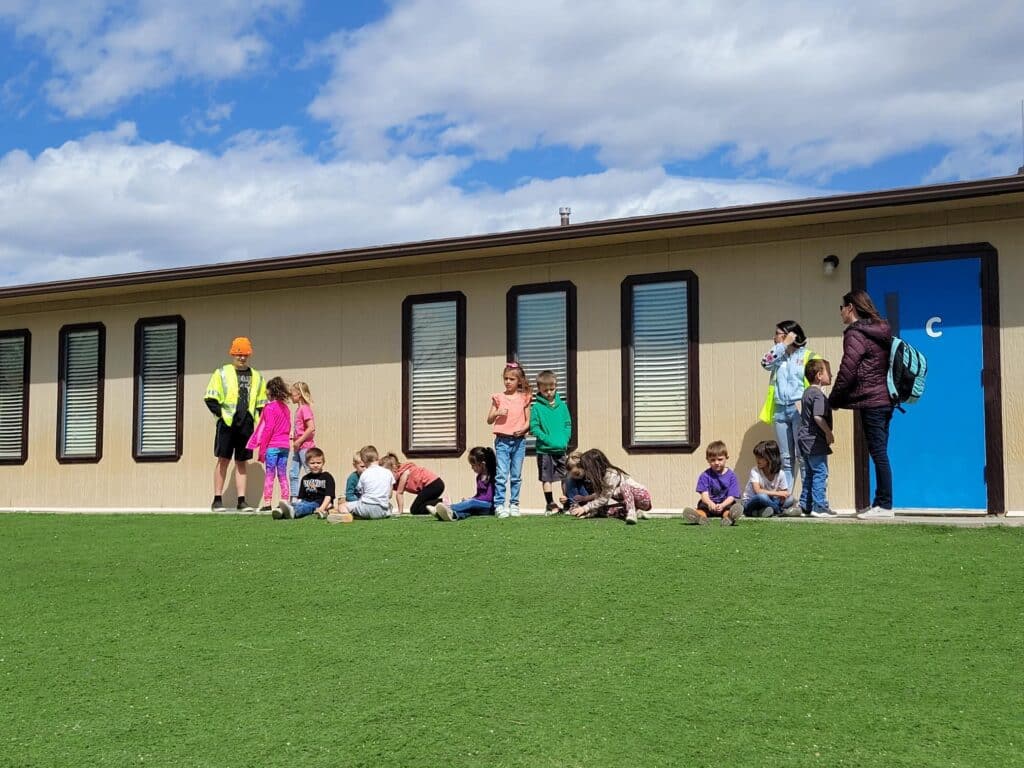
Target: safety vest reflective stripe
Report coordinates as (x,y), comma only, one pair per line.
(223,388)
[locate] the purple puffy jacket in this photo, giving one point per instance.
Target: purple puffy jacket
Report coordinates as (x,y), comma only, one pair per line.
(861,381)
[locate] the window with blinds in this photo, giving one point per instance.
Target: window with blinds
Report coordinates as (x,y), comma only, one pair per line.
(433,372)
(159,370)
(542,336)
(660,408)
(14,373)
(80,402)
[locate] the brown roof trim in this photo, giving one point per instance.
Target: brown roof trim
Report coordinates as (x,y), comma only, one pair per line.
(760,211)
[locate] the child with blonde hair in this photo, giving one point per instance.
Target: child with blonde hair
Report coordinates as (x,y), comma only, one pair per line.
(373,492)
(303,431)
(510,418)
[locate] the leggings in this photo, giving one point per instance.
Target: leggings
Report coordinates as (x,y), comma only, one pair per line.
(633,498)
(431,494)
(276,465)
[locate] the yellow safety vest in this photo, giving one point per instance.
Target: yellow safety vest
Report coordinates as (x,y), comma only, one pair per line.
(767,414)
(223,388)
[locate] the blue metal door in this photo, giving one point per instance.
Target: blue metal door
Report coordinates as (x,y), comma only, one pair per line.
(937,448)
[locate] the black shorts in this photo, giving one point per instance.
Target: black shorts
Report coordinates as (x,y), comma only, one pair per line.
(229,442)
(550,467)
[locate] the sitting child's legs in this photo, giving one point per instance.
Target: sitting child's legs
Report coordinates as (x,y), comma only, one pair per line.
(463,509)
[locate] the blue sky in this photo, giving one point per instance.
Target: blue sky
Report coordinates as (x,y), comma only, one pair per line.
(140,135)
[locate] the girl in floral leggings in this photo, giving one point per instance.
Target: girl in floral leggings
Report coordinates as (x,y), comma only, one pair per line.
(617,493)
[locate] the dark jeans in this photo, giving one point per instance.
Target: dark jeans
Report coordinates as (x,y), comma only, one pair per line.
(875,424)
(431,494)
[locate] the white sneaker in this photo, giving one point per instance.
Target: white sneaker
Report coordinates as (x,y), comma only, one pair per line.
(822,513)
(876,513)
(631,517)
(432,510)
(443,513)
(513,510)
(501,512)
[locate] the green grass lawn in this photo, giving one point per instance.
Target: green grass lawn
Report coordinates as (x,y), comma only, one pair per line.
(223,641)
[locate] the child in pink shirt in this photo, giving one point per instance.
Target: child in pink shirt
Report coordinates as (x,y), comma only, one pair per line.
(428,487)
(271,442)
(303,432)
(510,418)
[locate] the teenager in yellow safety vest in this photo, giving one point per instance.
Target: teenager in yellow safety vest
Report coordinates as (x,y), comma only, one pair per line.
(235,395)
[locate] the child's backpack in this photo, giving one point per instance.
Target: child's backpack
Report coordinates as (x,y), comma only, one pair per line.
(907,371)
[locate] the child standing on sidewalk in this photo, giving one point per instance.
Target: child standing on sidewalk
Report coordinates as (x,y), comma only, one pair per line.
(551,424)
(510,417)
(271,441)
(302,434)
(814,438)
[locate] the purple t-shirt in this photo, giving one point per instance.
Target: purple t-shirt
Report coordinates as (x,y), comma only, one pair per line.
(484,489)
(719,486)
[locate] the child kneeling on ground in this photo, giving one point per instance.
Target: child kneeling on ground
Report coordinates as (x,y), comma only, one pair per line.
(374,489)
(612,487)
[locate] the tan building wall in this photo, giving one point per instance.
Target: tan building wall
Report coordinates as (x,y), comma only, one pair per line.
(341,332)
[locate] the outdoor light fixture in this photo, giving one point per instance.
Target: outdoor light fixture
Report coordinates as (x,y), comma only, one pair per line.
(829,264)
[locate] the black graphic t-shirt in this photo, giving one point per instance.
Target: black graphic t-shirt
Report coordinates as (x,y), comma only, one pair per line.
(244,385)
(315,486)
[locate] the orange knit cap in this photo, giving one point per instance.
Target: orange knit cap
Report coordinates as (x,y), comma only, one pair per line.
(241,346)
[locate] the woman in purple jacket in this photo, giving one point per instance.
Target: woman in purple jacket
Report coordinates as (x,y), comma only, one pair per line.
(482,461)
(861,385)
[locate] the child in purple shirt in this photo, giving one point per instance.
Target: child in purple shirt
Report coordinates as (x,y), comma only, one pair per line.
(483,461)
(719,490)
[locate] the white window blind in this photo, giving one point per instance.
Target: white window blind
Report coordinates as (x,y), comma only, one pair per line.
(157,390)
(78,435)
(433,376)
(541,339)
(12,397)
(660,365)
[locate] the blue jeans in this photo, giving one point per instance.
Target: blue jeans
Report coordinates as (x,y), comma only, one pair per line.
(763,505)
(463,509)
(787,421)
(875,424)
(510,452)
(813,495)
(304,508)
(296,467)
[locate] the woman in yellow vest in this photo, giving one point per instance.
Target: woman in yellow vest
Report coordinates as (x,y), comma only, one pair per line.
(786,384)
(235,395)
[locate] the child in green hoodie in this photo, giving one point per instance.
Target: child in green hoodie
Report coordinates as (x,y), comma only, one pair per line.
(551,425)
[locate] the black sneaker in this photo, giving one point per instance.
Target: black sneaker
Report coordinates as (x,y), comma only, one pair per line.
(217,506)
(264,508)
(244,506)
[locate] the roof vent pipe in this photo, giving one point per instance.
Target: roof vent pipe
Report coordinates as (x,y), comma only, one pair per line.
(564,212)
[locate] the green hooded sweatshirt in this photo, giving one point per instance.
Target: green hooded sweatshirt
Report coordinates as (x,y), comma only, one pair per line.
(551,424)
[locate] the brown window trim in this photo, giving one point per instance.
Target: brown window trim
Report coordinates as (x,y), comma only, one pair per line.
(991,356)
(512,341)
(460,373)
(101,373)
(140,325)
(25,335)
(682,446)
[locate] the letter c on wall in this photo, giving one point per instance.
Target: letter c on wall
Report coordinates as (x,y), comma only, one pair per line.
(929,327)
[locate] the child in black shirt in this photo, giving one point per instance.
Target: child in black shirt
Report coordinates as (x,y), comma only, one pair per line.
(316,489)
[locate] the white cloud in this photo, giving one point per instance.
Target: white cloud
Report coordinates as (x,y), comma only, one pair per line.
(807,87)
(112,203)
(104,53)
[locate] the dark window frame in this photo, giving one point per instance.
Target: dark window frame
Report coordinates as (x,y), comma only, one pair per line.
(101,372)
(460,374)
(26,336)
(140,325)
(512,340)
(690,444)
